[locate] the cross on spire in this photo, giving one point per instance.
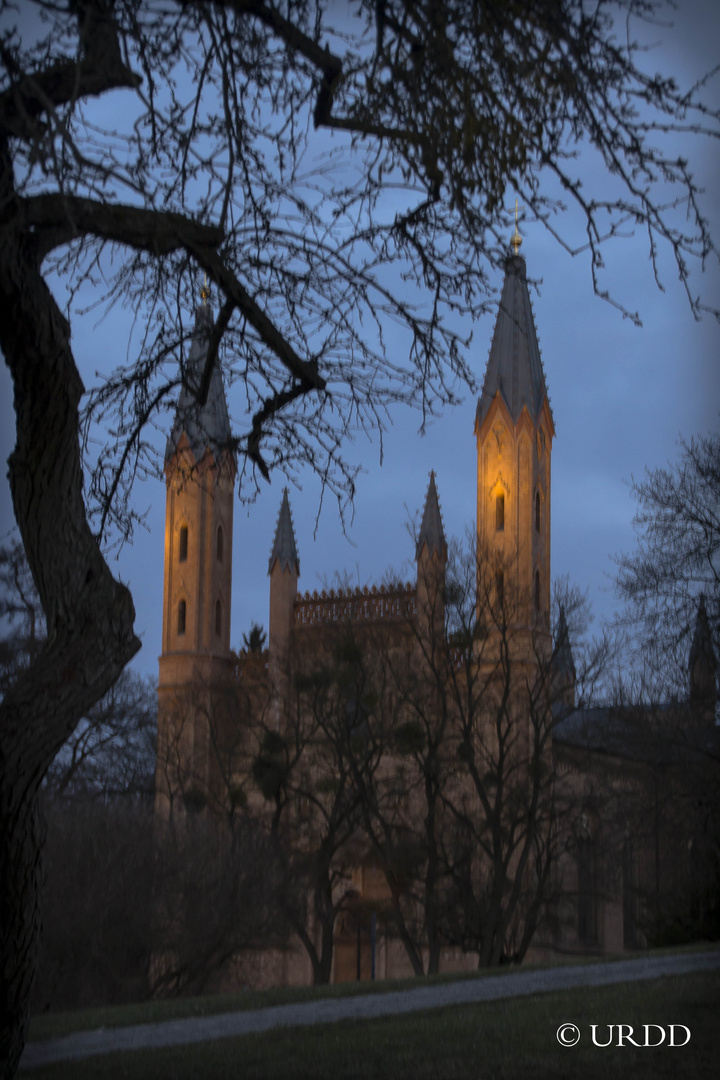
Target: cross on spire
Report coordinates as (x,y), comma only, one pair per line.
(516,238)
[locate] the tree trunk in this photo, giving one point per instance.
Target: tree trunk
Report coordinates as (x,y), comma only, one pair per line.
(414,954)
(89,615)
(21,834)
(325,915)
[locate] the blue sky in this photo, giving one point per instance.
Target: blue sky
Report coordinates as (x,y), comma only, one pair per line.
(621,396)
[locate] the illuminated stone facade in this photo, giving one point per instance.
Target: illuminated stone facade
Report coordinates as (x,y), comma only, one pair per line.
(204,688)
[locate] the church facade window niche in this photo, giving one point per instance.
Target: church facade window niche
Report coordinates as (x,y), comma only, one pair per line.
(500,589)
(500,512)
(181,616)
(183,545)
(219,544)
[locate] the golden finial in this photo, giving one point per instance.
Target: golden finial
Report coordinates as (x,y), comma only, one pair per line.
(516,238)
(205,290)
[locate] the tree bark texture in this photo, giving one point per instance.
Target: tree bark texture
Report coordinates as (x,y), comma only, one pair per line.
(89,615)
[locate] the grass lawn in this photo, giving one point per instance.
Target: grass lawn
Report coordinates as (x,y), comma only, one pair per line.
(53,1025)
(56,1024)
(499,1040)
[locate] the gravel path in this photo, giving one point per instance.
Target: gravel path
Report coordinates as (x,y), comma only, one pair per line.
(363,1007)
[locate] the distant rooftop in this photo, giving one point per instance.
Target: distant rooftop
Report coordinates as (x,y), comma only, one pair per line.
(652,734)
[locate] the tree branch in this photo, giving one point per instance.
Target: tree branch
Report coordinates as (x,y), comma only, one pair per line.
(101,69)
(64,218)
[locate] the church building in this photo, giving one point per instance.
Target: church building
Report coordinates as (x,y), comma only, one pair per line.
(468,702)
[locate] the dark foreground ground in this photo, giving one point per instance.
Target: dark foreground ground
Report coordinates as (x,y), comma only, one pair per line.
(503,1026)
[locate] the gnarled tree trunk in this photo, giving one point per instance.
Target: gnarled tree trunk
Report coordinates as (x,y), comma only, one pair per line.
(89,614)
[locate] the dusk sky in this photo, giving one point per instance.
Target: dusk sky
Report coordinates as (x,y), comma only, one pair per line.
(621,397)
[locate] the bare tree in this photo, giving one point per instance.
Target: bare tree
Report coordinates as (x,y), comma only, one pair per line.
(112,750)
(217,900)
(496,689)
(21,610)
(307,772)
(461,810)
(133,910)
(207,735)
(111,753)
(404,796)
(677,561)
(643,812)
(98,918)
(225,762)
(214,172)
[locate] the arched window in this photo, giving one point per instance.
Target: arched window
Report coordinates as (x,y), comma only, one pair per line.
(537,591)
(218,618)
(219,544)
(182,612)
(183,543)
(537,511)
(499,512)
(500,588)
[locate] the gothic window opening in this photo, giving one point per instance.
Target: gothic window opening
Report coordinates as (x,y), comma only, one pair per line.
(500,589)
(218,618)
(499,512)
(537,511)
(356,715)
(219,544)
(183,544)
(182,613)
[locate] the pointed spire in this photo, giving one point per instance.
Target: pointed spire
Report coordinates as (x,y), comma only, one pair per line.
(284,548)
(702,663)
(562,660)
(702,638)
(205,426)
(514,366)
(562,668)
(431,532)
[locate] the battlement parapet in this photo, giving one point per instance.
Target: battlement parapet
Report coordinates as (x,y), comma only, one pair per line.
(374,603)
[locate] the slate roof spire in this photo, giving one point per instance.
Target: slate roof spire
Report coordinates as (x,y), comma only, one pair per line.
(284,548)
(514,366)
(563,673)
(702,663)
(431,532)
(205,426)
(562,660)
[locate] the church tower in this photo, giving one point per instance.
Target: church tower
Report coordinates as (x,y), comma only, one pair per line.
(514,430)
(200,472)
